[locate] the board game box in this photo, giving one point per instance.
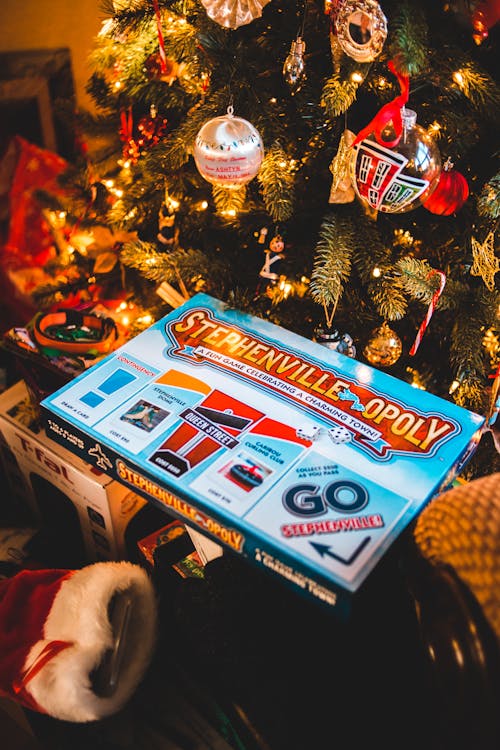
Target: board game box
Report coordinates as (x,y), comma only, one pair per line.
(306,461)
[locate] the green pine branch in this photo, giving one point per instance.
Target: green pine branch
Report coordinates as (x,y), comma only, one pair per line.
(229,202)
(277,182)
(338,95)
(488,203)
(332,260)
(408,39)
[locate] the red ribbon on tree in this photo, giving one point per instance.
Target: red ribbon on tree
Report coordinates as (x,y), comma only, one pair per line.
(430,311)
(127,124)
(389,112)
(161,41)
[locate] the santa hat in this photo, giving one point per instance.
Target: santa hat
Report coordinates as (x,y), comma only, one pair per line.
(55,632)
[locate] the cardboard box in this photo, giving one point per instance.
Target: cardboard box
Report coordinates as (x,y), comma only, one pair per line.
(59,491)
(304,460)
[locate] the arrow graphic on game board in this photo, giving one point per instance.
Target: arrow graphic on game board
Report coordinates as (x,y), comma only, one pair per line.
(324,549)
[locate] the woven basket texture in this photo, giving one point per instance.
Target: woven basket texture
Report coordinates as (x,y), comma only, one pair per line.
(461,528)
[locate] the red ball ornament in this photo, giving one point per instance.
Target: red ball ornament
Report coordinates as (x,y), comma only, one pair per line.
(166,69)
(484,16)
(450,193)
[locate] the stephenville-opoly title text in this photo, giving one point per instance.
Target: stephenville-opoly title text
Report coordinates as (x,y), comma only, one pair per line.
(404,428)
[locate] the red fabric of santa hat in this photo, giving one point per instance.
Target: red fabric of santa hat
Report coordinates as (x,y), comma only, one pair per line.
(55,630)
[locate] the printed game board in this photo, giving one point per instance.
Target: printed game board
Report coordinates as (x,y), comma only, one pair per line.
(304,460)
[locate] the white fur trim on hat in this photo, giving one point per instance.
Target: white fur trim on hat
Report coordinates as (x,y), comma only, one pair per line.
(79,614)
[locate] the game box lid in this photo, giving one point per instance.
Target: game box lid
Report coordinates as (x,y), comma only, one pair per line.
(306,461)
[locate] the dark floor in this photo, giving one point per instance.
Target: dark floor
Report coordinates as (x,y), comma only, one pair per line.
(245,664)
(15,730)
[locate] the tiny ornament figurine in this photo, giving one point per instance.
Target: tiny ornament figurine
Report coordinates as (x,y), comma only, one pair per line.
(384,347)
(228,151)
(360,28)
(168,233)
(274,254)
(332,339)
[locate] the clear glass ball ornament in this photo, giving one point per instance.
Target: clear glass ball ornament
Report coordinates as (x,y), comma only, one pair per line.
(400,178)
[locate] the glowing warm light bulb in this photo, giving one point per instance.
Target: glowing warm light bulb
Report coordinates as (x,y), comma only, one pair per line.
(109,183)
(203,205)
(458,78)
(118,84)
(356,77)
(376,273)
(285,287)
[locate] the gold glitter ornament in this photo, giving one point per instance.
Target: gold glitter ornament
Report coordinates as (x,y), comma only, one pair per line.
(384,347)
(342,190)
(486,264)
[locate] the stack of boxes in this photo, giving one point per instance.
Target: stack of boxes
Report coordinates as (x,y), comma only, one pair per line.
(88,515)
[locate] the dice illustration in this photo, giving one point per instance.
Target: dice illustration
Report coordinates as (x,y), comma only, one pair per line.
(308,432)
(339,435)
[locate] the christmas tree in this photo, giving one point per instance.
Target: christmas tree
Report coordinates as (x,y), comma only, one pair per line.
(230,153)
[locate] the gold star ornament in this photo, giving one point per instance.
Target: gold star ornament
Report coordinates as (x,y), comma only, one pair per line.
(485,264)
